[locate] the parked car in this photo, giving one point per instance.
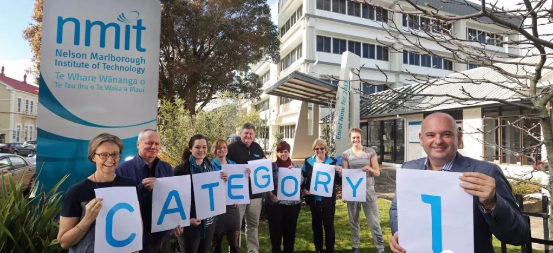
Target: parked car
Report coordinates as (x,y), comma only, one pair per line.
(31,144)
(16,148)
(18,167)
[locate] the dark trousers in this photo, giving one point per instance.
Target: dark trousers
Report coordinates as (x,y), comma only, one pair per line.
(233,238)
(282,226)
(190,240)
(323,216)
(155,246)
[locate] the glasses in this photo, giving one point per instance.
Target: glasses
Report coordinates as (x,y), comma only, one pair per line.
(317,149)
(105,156)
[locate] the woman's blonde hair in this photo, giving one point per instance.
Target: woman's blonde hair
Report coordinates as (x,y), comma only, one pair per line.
(217,144)
(319,142)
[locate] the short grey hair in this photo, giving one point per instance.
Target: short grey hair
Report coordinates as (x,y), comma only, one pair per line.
(101,139)
(248,126)
(143,132)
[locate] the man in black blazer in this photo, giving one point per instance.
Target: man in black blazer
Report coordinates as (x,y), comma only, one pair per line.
(495,209)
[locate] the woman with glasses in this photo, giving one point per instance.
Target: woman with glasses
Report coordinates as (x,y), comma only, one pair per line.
(229,222)
(197,237)
(80,207)
(362,158)
(282,214)
(322,208)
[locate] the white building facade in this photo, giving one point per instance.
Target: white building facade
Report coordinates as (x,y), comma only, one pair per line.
(314,35)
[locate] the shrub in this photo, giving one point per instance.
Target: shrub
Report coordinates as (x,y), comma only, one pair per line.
(525,188)
(28,222)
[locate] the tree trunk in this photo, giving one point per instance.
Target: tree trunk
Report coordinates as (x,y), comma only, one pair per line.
(545,121)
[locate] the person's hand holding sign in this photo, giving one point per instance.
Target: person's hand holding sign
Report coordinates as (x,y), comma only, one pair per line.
(394,244)
(224,176)
(339,170)
(195,222)
(481,186)
(148,183)
(92,210)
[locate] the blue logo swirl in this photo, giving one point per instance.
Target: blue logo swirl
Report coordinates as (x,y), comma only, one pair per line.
(131,16)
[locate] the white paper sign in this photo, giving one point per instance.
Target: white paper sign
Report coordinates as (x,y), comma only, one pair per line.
(209,194)
(261,176)
(289,184)
(354,185)
(434,213)
(171,200)
(322,180)
(237,187)
(119,225)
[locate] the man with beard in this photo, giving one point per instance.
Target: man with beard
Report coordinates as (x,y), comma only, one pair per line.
(495,210)
(241,152)
(144,168)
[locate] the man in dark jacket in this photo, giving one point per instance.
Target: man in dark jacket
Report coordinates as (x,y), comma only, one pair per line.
(241,152)
(144,168)
(494,207)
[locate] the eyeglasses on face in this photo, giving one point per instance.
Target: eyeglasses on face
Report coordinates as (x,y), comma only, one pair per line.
(105,156)
(317,149)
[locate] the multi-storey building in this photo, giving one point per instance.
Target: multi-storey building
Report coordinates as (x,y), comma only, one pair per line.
(18,109)
(315,33)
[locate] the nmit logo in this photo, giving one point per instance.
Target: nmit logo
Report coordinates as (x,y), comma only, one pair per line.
(103,27)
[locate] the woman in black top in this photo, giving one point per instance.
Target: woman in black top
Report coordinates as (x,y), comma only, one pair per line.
(197,237)
(80,207)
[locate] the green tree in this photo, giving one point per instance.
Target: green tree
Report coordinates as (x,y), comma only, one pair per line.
(207,47)
(33,34)
(176,124)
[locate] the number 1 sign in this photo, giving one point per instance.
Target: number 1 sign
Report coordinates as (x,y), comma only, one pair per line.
(434,213)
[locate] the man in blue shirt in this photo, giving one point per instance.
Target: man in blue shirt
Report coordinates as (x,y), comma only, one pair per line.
(144,168)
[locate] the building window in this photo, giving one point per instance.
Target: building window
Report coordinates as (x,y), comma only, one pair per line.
(448,65)
(323,5)
(17,133)
(26,133)
(354,47)
(19,105)
(291,57)
(381,15)
(323,44)
(368,51)
(288,131)
(291,21)
(354,8)
(510,138)
(371,89)
(31,132)
(26,106)
(284,100)
(262,106)
(339,6)
(472,66)
(338,46)
(32,106)
(265,77)
(381,53)
(484,37)
(426,61)
(437,62)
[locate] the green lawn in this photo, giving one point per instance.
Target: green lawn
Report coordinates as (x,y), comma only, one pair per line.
(304,239)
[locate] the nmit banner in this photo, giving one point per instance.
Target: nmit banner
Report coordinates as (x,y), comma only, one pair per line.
(99,73)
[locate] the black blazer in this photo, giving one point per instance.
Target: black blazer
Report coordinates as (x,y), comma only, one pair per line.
(310,199)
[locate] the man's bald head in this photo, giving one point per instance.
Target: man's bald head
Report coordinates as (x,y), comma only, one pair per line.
(440,138)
